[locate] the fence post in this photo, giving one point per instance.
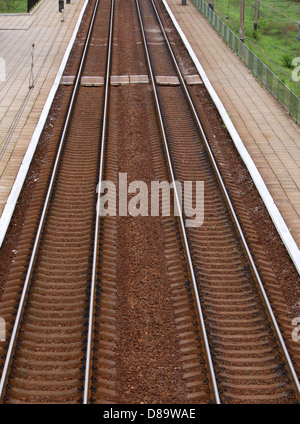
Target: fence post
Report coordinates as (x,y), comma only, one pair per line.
(272,83)
(242,13)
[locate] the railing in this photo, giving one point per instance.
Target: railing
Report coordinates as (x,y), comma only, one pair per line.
(31,4)
(273,84)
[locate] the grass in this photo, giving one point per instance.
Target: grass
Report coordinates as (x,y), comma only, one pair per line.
(276,36)
(13,6)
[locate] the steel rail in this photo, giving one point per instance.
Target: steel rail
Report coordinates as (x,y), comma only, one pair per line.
(270,312)
(97,223)
(32,261)
(178,205)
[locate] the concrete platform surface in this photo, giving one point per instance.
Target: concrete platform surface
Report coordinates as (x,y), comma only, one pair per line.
(271,137)
(20,107)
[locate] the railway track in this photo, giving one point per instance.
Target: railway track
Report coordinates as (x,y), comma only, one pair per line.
(106,299)
(44,357)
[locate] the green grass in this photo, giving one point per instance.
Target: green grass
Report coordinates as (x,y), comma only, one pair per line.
(13,6)
(276,36)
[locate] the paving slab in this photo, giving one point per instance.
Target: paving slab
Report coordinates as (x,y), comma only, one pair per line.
(271,137)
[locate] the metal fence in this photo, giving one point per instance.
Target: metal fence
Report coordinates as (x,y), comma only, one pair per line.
(31,4)
(273,84)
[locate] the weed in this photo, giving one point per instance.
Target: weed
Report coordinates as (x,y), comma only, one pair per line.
(287,61)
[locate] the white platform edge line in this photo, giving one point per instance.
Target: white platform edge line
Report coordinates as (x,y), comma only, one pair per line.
(18,184)
(276,217)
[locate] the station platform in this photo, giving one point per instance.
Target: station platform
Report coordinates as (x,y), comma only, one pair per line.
(271,137)
(21,107)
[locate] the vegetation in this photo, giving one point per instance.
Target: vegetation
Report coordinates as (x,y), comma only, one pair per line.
(275,41)
(13,6)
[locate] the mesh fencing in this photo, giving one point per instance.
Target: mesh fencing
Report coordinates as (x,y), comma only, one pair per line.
(272,83)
